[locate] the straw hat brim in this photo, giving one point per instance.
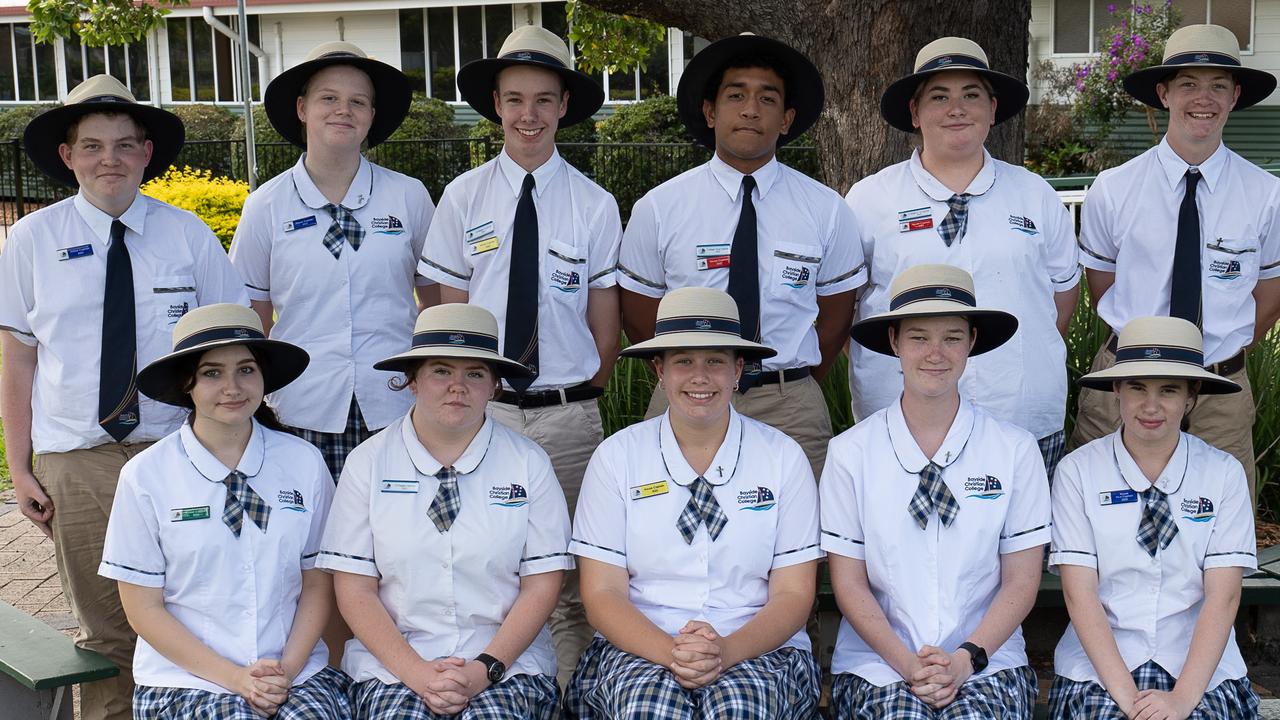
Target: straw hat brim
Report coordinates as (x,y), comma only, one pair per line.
(1210,384)
(478,79)
(48,130)
(282,364)
(1255,85)
(1011,95)
(392,95)
(993,327)
(698,341)
(503,367)
(804,92)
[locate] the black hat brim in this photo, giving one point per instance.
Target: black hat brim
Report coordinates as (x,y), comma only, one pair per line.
(48,130)
(478,79)
(392,93)
(282,364)
(1255,85)
(895,104)
(993,327)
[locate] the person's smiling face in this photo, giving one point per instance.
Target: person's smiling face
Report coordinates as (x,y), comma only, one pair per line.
(933,352)
(1151,409)
(698,383)
(108,154)
(337,108)
(1199,101)
(530,102)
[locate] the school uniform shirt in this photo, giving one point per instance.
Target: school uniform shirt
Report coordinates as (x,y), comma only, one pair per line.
(346,312)
(53,274)
(1152,603)
(448,593)
(635,489)
(239,595)
(681,232)
(1129,225)
(934,585)
(469,248)
(1020,248)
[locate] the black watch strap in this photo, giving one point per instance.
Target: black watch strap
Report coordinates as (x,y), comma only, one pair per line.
(977,656)
(494,667)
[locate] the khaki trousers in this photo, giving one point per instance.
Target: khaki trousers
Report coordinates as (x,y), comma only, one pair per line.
(569,434)
(82,485)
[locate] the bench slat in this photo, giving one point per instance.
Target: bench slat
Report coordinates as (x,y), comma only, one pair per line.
(40,657)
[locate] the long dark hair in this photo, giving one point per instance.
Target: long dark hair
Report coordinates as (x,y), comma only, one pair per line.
(264,414)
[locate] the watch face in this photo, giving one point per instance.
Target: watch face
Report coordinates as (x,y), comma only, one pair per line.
(496,671)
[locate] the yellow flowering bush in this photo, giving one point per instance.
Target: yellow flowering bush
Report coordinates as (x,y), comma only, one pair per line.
(215,200)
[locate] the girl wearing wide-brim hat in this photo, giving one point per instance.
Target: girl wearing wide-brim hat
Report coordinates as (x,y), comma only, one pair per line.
(1152,533)
(697,538)
(214,533)
(951,202)
(448,541)
(934,518)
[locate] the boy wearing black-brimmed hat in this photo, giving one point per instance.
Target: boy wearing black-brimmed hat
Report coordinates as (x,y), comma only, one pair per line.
(90,288)
(1188,229)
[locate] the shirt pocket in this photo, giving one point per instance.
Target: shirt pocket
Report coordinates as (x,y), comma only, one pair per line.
(173,296)
(1231,263)
(565,269)
(793,273)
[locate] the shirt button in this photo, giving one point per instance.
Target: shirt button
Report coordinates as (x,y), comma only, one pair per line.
(444,565)
(248,613)
(448,611)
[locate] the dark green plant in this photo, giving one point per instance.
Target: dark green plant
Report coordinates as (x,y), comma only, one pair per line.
(607,42)
(14,120)
(206,121)
(97,22)
(428,118)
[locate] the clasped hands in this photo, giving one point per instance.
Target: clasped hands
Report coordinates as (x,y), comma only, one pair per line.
(697,655)
(935,676)
(264,685)
(447,684)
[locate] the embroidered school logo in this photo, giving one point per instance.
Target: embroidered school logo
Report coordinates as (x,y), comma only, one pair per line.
(942,292)
(1023,225)
(568,282)
(759,499)
(457,339)
(511,496)
(291,500)
(983,488)
(1225,270)
(240,333)
(1202,58)
(702,324)
(943,61)
(1197,509)
(176,311)
(1151,353)
(794,277)
(389,225)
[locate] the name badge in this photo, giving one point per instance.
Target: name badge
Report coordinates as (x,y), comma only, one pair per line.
(72,253)
(403,487)
(915,219)
(713,263)
(479,232)
(300,223)
(488,244)
(639,492)
(1118,497)
(189,513)
(713,256)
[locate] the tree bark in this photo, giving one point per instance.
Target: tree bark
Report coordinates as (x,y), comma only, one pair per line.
(860,47)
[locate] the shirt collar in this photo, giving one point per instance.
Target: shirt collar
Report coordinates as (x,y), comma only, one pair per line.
(99,222)
(427,465)
(542,174)
(731,180)
(211,467)
(930,185)
(1175,167)
(358,192)
(722,466)
(1170,478)
(910,456)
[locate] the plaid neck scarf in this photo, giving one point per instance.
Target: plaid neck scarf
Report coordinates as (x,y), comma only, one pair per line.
(701,508)
(448,501)
(953,225)
(344,227)
(933,494)
(1157,528)
(243,499)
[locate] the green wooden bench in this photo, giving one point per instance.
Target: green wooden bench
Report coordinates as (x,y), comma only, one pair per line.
(38,665)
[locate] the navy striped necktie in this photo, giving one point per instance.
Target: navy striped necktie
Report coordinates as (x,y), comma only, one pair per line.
(118,411)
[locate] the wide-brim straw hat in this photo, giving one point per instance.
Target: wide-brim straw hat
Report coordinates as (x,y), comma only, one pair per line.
(935,291)
(210,327)
(698,318)
(392,91)
(1201,47)
(1163,348)
(803,89)
(455,330)
(537,47)
(941,55)
(104,94)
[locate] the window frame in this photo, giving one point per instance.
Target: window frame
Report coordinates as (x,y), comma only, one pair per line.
(1093,31)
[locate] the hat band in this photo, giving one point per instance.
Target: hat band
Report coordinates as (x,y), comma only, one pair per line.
(933,292)
(1202,58)
(534,56)
(1163,353)
(106,98)
(946,61)
(237,332)
(698,324)
(449,338)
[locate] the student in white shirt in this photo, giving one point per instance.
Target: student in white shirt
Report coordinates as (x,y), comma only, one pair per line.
(214,533)
(934,518)
(697,535)
(1152,534)
(448,541)
(952,203)
(330,248)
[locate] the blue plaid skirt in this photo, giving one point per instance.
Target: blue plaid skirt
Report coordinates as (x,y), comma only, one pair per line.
(610,683)
(335,447)
(1230,700)
(1006,695)
(520,697)
(322,697)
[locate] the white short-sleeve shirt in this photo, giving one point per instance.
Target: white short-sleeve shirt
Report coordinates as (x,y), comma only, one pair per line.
(934,585)
(1129,226)
(448,593)
(53,273)
(236,595)
(346,312)
(1020,248)
(1152,603)
(636,486)
(469,248)
(681,232)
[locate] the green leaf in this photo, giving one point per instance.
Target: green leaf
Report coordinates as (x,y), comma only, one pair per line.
(97,22)
(612,43)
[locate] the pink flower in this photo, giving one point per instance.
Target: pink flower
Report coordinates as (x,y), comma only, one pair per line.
(1111,8)
(1111,76)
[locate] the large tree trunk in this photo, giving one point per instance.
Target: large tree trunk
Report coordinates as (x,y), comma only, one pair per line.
(860,46)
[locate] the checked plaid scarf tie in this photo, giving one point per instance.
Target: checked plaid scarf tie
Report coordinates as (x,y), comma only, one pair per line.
(933,494)
(1157,528)
(448,501)
(344,227)
(701,508)
(243,499)
(953,225)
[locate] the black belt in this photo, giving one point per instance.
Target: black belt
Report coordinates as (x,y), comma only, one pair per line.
(546,398)
(773,377)
(1230,366)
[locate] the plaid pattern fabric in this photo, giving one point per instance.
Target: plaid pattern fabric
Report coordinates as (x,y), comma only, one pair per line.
(610,683)
(448,501)
(701,508)
(335,447)
(1052,448)
(322,697)
(520,697)
(242,499)
(953,225)
(1069,699)
(933,494)
(1006,695)
(344,227)
(1157,528)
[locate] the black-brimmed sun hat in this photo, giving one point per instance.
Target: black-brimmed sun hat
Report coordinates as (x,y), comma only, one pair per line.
(459,331)
(1201,47)
(698,318)
(941,55)
(1160,348)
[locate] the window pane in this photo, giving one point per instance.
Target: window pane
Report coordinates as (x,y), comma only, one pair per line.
(226,76)
(70,58)
(1071,26)
(6,64)
(179,69)
(116,65)
(26,63)
(1194,12)
(622,85)
(255,37)
(653,75)
(440,52)
(202,56)
(497,26)
(692,46)
(1103,19)
(96,65)
(46,72)
(139,74)
(413,55)
(1233,15)
(469,45)
(554,19)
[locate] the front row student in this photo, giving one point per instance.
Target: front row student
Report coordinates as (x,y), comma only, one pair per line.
(1152,533)
(697,538)
(448,541)
(934,518)
(214,533)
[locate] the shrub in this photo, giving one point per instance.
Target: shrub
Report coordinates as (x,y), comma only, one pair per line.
(215,200)
(655,120)
(428,118)
(630,172)
(206,121)
(14,120)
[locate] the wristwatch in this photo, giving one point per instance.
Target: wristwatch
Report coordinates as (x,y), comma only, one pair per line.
(495,668)
(977,656)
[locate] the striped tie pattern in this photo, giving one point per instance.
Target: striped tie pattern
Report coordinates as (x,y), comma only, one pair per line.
(702,508)
(448,501)
(932,494)
(344,227)
(1157,528)
(242,500)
